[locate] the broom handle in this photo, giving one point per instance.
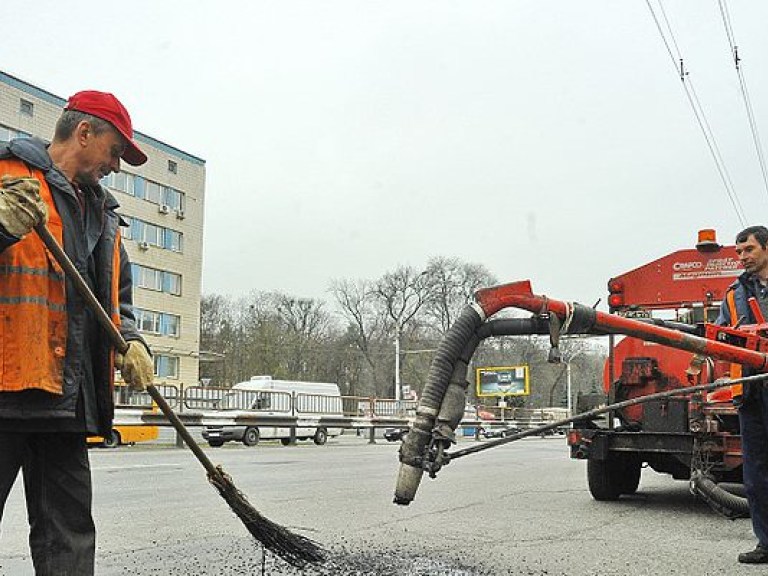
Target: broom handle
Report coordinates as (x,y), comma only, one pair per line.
(119,342)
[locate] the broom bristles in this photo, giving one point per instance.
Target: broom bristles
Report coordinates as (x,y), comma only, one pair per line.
(295,549)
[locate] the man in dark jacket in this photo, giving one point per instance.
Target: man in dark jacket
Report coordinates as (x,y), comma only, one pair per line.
(752,248)
(57,367)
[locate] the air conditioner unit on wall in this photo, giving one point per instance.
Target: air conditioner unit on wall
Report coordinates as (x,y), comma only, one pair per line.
(163,208)
(143,245)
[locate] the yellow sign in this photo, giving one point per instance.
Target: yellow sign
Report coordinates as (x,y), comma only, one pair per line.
(503,381)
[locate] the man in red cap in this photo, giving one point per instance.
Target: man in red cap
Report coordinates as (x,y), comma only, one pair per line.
(56,367)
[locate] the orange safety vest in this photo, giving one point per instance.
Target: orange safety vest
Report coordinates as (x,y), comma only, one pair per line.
(33,314)
(736,370)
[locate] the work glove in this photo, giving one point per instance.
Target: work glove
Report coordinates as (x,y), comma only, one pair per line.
(136,366)
(21,207)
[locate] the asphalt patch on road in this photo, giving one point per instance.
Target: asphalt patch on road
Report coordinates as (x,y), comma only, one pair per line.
(384,562)
(220,557)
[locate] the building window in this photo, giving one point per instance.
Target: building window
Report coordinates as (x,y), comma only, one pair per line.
(26,107)
(172,283)
(133,184)
(159,323)
(173,167)
(166,366)
(120,181)
(155,235)
(173,240)
(171,325)
(147,321)
(125,231)
(158,280)
(153,192)
(7,134)
(175,199)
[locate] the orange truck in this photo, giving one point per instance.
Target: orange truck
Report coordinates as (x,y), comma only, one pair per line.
(693,437)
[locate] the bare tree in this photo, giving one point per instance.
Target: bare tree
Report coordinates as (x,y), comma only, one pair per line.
(217,329)
(452,284)
(305,316)
(402,294)
(305,322)
(367,326)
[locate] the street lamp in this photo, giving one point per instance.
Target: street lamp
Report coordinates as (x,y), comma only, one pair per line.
(568,359)
(397,363)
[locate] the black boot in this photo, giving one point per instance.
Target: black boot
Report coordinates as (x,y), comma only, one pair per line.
(757,556)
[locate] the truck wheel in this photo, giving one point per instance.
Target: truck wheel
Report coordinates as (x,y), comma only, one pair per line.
(251,436)
(629,467)
(604,479)
(321,436)
(113,440)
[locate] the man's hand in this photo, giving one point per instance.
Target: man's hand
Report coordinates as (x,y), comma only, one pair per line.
(136,366)
(21,207)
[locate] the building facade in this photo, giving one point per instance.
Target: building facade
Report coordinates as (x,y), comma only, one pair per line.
(162,202)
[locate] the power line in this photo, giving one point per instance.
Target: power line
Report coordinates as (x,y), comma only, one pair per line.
(679,64)
(744,92)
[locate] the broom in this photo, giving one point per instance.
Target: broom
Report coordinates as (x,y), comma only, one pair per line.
(295,549)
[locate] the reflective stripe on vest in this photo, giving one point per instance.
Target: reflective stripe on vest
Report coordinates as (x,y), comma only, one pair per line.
(736,370)
(33,316)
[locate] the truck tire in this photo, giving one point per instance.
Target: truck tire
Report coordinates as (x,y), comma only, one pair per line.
(604,479)
(251,436)
(630,466)
(113,440)
(321,436)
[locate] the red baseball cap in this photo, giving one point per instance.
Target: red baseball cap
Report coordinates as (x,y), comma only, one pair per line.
(105,106)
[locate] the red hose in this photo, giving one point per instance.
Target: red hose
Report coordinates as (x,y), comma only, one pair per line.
(520,295)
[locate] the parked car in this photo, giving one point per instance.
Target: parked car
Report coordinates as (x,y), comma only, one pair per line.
(395,434)
(498,431)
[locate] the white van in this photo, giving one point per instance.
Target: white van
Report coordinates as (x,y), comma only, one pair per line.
(262,395)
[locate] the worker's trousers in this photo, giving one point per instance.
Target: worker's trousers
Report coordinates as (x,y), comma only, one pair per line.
(57,486)
(753,418)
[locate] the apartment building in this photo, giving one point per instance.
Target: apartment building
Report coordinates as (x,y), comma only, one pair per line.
(162,201)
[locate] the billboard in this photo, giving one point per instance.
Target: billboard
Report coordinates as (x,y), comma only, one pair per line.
(502,381)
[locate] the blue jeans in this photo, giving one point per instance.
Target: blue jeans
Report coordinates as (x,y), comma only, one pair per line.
(753,419)
(57,486)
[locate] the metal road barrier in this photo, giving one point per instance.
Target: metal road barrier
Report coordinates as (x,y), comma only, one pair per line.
(125,397)
(201,406)
(202,397)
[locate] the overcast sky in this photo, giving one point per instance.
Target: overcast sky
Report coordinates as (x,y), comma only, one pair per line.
(546,140)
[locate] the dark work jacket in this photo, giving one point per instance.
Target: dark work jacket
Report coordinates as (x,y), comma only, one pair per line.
(86,404)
